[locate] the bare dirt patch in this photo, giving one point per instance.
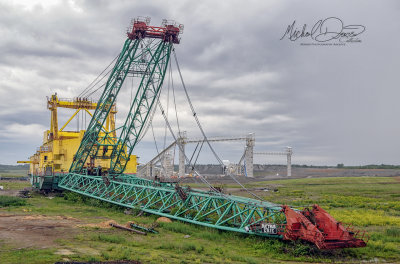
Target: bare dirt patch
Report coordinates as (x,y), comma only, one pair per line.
(163,220)
(36,230)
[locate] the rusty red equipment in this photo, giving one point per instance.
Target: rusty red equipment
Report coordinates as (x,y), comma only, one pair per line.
(169,32)
(320,228)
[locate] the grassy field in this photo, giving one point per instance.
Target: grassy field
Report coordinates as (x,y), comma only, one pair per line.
(14,185)
(13,173)
(370,203)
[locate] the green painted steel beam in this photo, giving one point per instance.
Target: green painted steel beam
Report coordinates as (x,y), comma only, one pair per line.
(143,102)
(204,208)
(90,141)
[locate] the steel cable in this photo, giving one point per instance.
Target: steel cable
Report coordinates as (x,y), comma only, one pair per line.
(91,85)
(202,131)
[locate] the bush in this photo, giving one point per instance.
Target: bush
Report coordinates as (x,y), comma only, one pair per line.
(11,201)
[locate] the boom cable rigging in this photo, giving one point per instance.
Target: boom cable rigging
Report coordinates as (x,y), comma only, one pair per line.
(90,90)
(202,178)
(87,91)
(203,133)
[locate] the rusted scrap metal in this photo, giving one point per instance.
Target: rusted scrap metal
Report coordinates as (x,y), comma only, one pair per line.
(182,194)
(319,227)
(219,187)
(151,229)
(128,229)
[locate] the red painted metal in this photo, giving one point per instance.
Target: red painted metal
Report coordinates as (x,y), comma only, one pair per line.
(169,32)
(320,228)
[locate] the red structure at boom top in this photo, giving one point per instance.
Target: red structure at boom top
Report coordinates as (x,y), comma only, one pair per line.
(169,32)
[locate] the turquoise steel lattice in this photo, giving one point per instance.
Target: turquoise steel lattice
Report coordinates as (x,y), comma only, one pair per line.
(215,210)
(89,144)
(139,112)
(152,72)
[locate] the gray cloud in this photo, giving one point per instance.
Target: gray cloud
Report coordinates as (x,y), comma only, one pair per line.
(332,104)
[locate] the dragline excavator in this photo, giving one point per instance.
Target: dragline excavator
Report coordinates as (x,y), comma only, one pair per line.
(207,208)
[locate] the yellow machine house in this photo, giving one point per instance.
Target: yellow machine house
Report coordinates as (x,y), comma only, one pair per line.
(59,146)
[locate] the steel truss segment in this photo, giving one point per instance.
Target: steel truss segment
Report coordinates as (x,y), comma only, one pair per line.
(175,202)
(118,191)
(180,205)
(150,201)
(248,217)
(127,196)
(137,195)
(148,193)
(232,217)
(204,207)
(141,106)
(223,212)
(226,211)
(90,143)
(194,205)
(165,202)
(160,199)
(104,193)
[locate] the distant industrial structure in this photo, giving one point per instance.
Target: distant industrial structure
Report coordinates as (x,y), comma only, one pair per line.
(162,165)
(288,153)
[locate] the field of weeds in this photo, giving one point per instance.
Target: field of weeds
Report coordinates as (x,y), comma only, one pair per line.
(370,203)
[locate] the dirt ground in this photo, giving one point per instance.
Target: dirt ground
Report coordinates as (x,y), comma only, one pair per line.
(35,230)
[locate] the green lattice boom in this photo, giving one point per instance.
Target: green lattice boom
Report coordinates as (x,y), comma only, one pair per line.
(232,213)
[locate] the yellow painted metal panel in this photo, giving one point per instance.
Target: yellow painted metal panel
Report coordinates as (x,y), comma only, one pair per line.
(58,152)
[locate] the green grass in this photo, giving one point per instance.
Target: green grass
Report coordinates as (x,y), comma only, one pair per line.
(370,203)
(14,185)
(13,173)
(6,201)
(11,255)
(109,238)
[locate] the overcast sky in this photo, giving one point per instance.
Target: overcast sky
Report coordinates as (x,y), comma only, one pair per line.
(331,103)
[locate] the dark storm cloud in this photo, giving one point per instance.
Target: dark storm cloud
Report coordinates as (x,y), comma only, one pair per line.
(331,104)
